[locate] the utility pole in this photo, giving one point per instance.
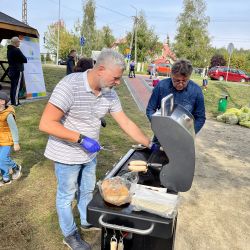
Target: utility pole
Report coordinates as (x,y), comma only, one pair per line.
(58,32)
(136,20)
(134,33)
(24,12)
(131,46)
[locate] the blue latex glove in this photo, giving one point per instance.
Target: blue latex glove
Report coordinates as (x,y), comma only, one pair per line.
(154,147)
(90,145)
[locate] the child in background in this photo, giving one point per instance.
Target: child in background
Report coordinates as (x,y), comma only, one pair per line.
(155,80)
(205,82)
(8,138)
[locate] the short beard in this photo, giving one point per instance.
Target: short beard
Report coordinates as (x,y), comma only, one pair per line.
(104,88)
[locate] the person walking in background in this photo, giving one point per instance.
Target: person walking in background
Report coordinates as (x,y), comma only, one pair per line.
(71,62)
(8,138)
(16,59)
(205,82)
(72,118)
(155,81)
(131,69)
(152,69)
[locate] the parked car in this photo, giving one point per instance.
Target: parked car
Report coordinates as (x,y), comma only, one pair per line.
(198,70)
(234,75)
(161,69)
(62,61)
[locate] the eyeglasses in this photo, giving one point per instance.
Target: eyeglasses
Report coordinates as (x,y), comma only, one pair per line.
(178,81)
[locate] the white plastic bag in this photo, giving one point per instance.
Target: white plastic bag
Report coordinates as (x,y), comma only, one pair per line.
(159,203)
(118,190)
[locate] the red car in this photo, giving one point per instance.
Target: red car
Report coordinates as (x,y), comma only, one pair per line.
(234,75)
(161,69)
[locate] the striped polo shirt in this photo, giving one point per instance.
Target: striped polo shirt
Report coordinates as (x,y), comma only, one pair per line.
(82,112)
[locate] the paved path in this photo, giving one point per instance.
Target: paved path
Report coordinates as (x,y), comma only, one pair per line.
(140,90)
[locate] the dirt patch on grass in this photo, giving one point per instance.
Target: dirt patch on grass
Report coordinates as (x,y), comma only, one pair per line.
(215,212)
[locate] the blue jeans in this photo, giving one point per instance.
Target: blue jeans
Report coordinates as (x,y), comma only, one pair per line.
(6,163)
(72,179)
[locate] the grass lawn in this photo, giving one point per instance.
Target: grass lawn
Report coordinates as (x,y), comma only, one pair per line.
(28,217)
(238,94)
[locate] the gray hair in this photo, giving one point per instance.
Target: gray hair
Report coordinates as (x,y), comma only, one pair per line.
(3,96)
(14,40)
(110,57)
(182,67)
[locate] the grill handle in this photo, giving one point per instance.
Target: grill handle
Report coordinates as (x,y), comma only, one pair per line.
(163,104)
(125,229)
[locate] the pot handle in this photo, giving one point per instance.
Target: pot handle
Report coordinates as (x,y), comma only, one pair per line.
(126,229)
(163,104)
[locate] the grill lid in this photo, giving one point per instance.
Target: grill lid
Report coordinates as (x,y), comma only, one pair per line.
(174,128)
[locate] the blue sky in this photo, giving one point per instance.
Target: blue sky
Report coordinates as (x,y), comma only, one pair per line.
(229,19)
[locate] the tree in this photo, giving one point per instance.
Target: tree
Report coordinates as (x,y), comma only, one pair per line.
(108,38)
(217,60)
(94,39)
(192,40)
(42,58)
(88,29)
(240,59)
(103,38)
(147,41)
(48,59)
(168,40)
(68,40)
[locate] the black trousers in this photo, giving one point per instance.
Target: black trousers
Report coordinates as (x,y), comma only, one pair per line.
(16,84)
(131,73)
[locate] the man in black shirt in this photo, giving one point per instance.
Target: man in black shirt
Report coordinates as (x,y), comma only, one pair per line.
(71,62)
(16,59)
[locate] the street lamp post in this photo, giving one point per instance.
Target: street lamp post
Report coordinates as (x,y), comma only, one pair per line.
(58,32)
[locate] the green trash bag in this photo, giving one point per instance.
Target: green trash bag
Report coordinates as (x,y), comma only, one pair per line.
(231,119)
(243,117)
(245,124)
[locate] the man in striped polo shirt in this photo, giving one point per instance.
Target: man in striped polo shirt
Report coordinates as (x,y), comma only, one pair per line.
(72,118)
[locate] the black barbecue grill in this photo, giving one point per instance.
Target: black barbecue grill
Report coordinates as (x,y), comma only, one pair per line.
(172,168)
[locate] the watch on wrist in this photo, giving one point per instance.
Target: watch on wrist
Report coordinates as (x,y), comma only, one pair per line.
(81,137)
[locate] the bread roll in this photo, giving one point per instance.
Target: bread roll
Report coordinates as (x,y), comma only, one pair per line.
(138,163)
(138,168)
(115,191)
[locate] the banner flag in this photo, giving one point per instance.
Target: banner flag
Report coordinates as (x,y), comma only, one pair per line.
(33,73)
